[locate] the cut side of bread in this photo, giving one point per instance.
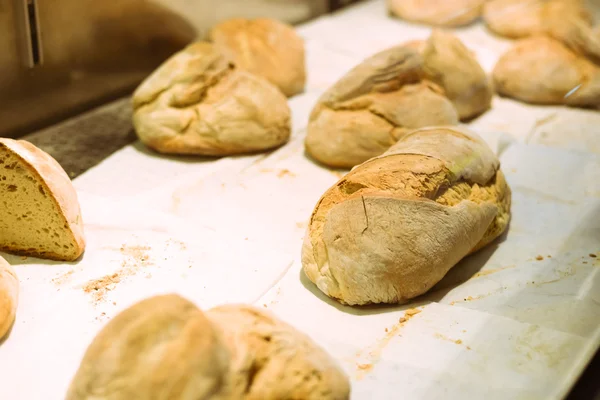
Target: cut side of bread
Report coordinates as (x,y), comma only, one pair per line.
(9,296)
(39,210)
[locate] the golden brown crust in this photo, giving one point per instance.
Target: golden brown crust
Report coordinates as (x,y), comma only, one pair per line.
(264,47)
(445,13)
(57,184)
(9,297)
(522,18)
(166,348)
(379,100)
(272,360)
(452,66)
(160,348)
(542,70)
(394,226)
(197,102)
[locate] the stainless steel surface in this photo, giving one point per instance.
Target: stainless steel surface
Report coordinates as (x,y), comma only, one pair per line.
(60,58)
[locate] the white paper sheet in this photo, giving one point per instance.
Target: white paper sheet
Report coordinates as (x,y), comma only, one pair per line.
(517,320)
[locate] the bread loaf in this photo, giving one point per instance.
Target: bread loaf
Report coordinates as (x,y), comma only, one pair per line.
(374,104)
(543,70)
(522,18)
(447,13)
(449,64)
(198,102)
(271,360)
(9,297)
(395,225)
(264,47)
(39,214)
(166,348)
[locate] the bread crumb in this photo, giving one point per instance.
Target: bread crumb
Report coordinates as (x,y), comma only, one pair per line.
(264,305)
(365,367)
(62,278)
(593,255)
(285,172)
(539,258)
(468,347)
(549,256)
(412,311)
(458,341)
(386,329)
(403,320)
(99,287)
(136,257)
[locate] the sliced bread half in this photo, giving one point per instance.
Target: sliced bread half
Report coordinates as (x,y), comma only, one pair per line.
(39,210)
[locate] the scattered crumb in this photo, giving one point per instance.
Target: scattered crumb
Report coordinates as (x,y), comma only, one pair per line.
(585,262)
(539,258)
(114,303)
(285,172)
(59,280)
(365,367)
(402,320)
(468,347)
(136,257)
(246,239)
(300,225)
(412,311)
(386,329)
(444,337)
(593,255)
(491,271)
(99,287)
(549,256)
(464,331)
(468,298)
(264,305)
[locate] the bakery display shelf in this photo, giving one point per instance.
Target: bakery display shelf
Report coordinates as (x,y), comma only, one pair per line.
(518,319)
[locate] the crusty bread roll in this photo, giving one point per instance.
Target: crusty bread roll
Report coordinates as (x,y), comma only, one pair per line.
(39,214)
(522,18)
(160,348)
(9,297)
(542,70)
(264,47)
(448,13)
(448,63)
(395,225)
(166,348)
(198,102)
(374,104)
(271,360)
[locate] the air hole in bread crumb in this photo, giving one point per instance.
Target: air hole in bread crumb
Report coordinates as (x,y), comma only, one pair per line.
(12,188)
